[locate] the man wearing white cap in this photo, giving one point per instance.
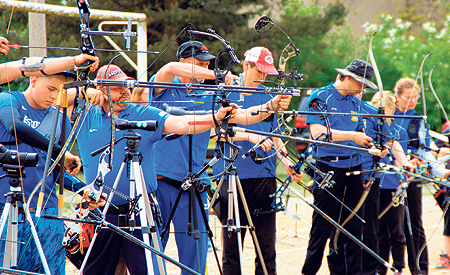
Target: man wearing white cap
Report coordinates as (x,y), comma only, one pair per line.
(256,173)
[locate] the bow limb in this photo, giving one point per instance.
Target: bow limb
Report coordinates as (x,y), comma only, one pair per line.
(448,201)
(421,83)
(379,141)
(376,71)
(88,47)
(290,50)
(354,211)
(435,95)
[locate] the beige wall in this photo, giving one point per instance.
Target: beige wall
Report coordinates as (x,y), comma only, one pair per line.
(362,11)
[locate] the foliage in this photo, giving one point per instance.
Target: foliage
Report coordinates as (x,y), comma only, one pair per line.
(419,12)
(166,19)
(399,54)
(322,36)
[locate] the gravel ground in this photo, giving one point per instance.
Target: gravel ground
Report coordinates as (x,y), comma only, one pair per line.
(292,239)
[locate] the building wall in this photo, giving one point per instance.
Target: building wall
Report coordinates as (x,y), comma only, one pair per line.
(362,11)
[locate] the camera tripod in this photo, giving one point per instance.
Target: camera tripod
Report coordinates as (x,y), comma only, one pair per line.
(235,191)
(137,187)
(194,187)
(11,210)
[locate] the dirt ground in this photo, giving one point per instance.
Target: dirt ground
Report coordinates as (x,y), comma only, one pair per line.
(292,239)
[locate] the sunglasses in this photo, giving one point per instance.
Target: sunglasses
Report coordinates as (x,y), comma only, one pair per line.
(411,97)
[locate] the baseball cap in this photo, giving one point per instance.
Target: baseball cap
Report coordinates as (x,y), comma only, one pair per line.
(196,49)
(114,73)
(263,59)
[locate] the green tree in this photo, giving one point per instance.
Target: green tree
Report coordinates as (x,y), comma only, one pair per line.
(322,36)
(166,18)
(419,12)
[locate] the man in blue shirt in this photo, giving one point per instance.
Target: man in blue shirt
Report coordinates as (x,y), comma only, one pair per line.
(173,156)
(108,246)
(339,97)
(26,120)
(256,177)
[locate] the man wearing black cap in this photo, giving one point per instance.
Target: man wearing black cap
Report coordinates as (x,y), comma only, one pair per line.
(172,156)
(339,97)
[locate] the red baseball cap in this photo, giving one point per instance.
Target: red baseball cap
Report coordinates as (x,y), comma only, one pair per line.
(263,59)
(114,73)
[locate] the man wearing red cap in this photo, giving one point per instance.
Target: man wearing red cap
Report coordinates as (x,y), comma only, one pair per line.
(93,134)
(173,156)
(257,174)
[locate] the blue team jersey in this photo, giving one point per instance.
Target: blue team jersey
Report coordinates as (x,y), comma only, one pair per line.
(96,131)
(370,129)
(247,168)
(391,180)
(172,156)
(41,121)
(418,131)
(332,101)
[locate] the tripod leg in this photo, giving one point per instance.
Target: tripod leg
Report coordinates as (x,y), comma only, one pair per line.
(194,218)
(147,222)
(216,193)
(10,259)
(208,228)
(251,226)
(7,255)
(231,202)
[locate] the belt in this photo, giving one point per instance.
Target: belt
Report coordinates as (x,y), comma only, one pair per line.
(335,159)
(177,184)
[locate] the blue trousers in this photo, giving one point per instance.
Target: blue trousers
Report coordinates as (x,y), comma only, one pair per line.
(188,252)
(50,233)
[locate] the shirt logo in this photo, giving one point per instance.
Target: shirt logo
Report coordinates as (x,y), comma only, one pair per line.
(354,118)
(92,130)
(412,128)
(28,121)
(23,108)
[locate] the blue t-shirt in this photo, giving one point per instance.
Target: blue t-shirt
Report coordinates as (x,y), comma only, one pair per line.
(333,101)
(172,156)
(370,129)
(391,180)
(418,131)
(39,121)
(247,168)
(96,132)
